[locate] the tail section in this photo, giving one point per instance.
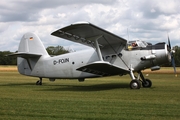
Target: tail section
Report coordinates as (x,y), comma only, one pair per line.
(29,53)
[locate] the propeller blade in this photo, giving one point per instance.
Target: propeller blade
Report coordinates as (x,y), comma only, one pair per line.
(169,43)
(172,57)
(173,63)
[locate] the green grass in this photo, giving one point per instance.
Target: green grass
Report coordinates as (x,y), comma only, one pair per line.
(99,98)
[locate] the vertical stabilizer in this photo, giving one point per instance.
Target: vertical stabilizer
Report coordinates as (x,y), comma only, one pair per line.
(31,43)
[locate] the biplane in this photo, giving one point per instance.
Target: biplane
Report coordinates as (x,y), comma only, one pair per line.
(111,55)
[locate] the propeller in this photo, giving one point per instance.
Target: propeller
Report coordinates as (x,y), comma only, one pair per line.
(172,56)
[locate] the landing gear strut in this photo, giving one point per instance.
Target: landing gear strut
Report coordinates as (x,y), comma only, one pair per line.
(146,83)
(39,82)
(136,81)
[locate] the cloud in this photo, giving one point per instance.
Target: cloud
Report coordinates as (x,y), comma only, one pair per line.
(146,20)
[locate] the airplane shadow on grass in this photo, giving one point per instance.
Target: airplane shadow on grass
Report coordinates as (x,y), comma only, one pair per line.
(71,87)
(97,87)
(17,84)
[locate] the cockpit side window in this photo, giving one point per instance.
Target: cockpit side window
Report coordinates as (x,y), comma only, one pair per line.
(131,45)
(136,44)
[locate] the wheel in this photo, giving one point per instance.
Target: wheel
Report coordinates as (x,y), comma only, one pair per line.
(147,83)
(38,82)
(135,84)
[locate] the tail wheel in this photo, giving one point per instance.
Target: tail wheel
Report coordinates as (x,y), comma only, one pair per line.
(135,84)
(39,82)
(147,83)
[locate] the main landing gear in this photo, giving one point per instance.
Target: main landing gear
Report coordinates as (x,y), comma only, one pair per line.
(39,82)
(136,81)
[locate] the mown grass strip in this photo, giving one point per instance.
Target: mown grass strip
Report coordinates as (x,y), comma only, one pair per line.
(98,98)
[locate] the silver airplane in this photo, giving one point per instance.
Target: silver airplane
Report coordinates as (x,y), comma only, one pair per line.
(111,55)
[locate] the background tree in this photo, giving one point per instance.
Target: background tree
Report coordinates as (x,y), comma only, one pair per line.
(177,55)
(5,60)
(9,60)
(58,50)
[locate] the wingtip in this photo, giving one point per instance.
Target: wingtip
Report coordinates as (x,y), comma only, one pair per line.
(80,22)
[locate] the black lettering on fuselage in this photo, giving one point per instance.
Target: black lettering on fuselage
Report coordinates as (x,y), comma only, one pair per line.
(61,61)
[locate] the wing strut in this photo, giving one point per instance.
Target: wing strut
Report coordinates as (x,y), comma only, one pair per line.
(98,49)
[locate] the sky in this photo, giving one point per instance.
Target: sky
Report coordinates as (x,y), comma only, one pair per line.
(148,20)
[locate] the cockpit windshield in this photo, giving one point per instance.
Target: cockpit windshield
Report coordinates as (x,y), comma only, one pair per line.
(136,44)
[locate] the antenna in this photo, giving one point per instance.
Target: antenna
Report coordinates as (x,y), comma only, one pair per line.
(128,34)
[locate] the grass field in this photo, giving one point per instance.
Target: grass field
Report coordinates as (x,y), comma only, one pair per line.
(98,99)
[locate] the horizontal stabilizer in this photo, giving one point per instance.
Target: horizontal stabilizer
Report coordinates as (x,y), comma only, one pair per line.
(25,55)
(103,69)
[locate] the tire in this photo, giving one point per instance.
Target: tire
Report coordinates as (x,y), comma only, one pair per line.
(147,83)
(38,82)
(135,84)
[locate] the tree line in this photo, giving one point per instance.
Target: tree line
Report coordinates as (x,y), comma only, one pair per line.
(9,60)
(53,51)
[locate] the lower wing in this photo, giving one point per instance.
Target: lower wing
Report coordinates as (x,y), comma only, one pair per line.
(103,69)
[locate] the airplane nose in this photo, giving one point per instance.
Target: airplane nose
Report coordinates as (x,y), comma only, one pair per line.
(168,52)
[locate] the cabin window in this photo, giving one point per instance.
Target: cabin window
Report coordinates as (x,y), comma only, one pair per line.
(131,45)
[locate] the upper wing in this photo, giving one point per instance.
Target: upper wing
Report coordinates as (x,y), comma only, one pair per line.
(86,33)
